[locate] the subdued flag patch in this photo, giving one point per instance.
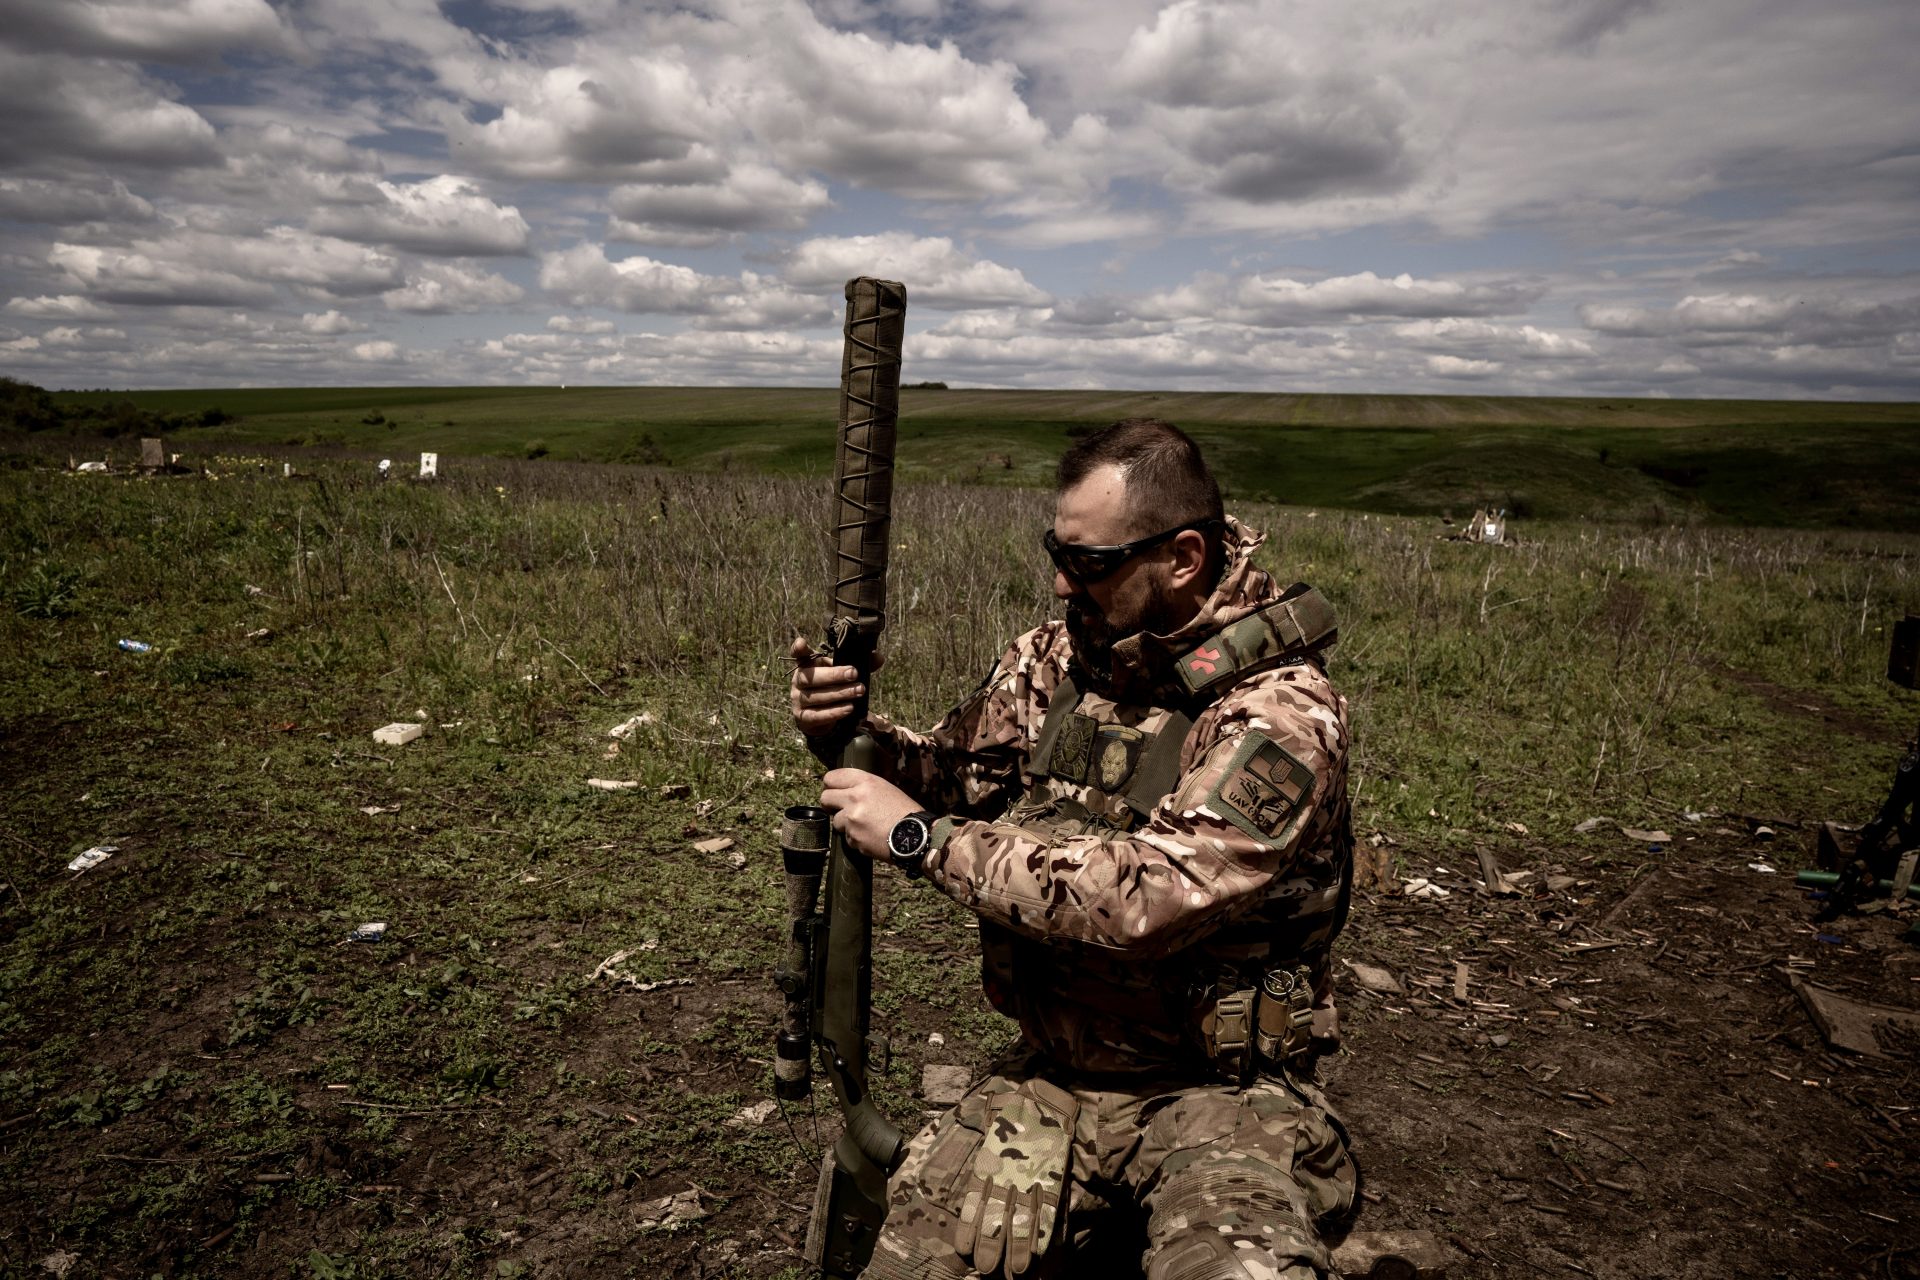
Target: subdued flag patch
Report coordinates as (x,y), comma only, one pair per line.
(1263,788)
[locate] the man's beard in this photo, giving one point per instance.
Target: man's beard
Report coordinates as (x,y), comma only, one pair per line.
(1094,633)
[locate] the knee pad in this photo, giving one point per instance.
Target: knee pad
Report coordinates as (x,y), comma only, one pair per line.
(916,1258)
(1232,1219)
(1207,1255)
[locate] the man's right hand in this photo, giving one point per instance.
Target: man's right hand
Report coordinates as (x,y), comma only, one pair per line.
(821,695)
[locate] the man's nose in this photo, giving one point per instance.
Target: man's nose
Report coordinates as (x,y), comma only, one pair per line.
(1063,586)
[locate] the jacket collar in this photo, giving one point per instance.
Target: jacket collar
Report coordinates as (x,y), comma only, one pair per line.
(1140,668)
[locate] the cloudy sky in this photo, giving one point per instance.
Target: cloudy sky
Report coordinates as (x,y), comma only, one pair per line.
(1616,197)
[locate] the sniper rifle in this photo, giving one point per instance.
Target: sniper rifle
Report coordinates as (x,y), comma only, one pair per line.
(827,978)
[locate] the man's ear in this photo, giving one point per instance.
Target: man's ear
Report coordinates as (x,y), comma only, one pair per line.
(1189,559)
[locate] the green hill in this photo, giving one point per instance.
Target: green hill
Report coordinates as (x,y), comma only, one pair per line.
(1725,461)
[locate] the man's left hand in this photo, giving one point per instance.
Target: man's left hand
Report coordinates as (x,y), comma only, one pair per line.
(865,808)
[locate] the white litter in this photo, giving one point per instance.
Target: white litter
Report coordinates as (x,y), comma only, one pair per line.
(757,1113)
(670,1213)
(93,857)
(1424,888)
(1374,978)
(609,968)
(1761,867)
(398,734)
(372,931)
(630,726)
(612,784)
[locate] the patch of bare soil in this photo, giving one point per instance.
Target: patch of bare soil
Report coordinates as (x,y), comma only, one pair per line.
(1804,703)
(1615,1079)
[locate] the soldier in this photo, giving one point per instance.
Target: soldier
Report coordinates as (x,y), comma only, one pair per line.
(1146,806)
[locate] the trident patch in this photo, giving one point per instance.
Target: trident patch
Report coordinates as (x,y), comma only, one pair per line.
(1263,788)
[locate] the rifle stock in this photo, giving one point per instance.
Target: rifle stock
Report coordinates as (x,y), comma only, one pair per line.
(851,1200)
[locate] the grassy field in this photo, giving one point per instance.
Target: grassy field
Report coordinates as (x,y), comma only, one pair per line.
(1805,464)
(203,1075)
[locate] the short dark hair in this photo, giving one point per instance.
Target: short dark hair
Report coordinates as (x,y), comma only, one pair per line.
(1168,482)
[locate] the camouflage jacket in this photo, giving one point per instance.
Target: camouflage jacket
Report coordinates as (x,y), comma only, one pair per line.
(1105,935)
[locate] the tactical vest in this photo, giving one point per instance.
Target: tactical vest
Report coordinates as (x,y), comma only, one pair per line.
(1122,762)
(1252,1011)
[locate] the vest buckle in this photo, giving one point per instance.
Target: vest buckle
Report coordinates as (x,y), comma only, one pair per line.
(1229,1038)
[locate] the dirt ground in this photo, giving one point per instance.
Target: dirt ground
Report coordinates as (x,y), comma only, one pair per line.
(1604,1074)
(1631,1088)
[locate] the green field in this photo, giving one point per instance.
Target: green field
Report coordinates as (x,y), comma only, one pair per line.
(203,1075)
(1786,463)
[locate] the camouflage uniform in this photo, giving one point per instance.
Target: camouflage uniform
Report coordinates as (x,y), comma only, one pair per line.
(1111,929)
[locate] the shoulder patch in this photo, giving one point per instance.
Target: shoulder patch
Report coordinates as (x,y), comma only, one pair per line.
(1263,788)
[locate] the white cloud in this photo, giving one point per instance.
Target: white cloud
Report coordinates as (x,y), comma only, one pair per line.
(1521,341)
(684,359)
(760,302)
(204,268)
(664,96)
(446,216)
(1276,300)
(122,275)
(1847,312)
(379,351)
(1258,112)
(91,198)
(1713,313)
(67,306)
(583,276)
(288,143)
(627,117)
(59,110)
(935,272)
(1188,193)
(1460,367)
(915,120)
(579,324)
(443,288)
(750,198)
(328,323)
(164,31)
(93,338)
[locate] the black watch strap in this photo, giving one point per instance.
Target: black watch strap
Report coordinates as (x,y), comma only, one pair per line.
(919,827)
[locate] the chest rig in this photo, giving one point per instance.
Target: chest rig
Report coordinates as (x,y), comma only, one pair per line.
(1242,1014)
(1138,767)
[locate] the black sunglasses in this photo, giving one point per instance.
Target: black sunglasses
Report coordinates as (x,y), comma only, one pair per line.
(1088,565)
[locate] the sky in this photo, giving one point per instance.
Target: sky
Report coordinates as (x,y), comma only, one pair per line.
(1529,197)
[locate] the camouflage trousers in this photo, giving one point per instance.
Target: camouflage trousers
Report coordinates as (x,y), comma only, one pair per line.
(1231,1182)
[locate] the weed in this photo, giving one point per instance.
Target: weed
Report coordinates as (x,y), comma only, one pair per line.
(47,591)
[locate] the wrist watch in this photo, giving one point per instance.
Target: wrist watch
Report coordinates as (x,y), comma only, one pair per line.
(908,842)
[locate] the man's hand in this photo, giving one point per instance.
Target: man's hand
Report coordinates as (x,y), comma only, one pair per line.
(865,809)
(821,696)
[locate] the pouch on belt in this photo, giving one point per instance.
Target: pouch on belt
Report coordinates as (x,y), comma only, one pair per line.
(1011,1210)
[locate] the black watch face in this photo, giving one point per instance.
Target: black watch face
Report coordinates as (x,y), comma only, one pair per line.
(909,837)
